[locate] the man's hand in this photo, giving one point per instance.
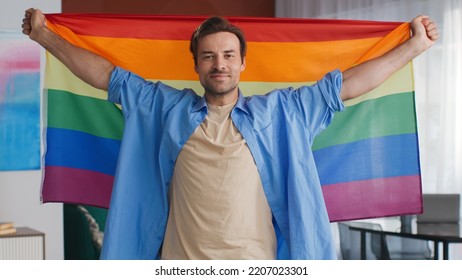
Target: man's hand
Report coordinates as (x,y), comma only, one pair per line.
(93,69)
(33,22)
(424,31)
(370,74)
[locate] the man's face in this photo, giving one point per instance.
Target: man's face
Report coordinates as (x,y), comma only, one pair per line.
(219,64)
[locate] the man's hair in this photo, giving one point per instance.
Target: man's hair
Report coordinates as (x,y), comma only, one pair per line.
(214,25)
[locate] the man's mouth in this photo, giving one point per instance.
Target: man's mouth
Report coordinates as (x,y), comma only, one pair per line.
(219,76)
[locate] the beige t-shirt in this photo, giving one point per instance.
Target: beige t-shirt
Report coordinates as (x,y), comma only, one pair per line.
(218,209)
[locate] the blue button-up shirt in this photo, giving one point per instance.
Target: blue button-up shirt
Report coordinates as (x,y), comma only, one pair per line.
(279,129)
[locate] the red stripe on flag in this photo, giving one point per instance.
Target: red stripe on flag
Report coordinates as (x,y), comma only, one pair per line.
(181,27)
(72,185)
(373,198)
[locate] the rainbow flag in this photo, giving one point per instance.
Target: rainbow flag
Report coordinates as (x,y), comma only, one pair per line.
(367,159)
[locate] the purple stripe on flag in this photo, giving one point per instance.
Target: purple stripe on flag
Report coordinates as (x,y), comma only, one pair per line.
(373,198)
(72,185)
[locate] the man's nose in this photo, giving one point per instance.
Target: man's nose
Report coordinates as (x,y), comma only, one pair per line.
(219,62)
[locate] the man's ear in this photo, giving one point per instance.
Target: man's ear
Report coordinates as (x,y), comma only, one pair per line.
(195,68)
(243,64)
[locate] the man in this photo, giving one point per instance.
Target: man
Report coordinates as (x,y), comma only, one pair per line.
(231,179)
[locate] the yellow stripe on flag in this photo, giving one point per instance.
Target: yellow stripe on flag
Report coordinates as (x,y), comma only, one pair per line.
(60,78)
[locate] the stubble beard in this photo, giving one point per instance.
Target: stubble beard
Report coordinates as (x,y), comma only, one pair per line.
(218,91)
(219,88)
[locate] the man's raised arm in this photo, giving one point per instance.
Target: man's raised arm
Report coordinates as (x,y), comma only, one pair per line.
(370,74)
(91,68)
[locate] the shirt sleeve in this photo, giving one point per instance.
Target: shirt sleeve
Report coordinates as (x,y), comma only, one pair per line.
(330,86)
(320,101)
(128,89)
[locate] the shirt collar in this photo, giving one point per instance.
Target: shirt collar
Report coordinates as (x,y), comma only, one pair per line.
(200,104)
(240,104)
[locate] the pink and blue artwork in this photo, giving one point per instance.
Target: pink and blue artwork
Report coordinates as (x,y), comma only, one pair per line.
(19,102)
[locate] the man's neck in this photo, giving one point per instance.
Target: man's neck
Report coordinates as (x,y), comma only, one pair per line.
(221,100)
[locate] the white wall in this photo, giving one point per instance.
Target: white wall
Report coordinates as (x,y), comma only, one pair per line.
(20,190)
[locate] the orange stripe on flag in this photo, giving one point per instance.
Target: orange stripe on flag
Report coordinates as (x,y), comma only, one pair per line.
(266,61)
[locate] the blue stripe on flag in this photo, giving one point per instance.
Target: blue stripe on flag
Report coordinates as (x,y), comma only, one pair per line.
(381,157)
(103,157)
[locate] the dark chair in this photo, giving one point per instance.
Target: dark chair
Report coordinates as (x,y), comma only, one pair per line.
(350,242)
(345,242)
(440,208)
(378,246)
(403,248)
(441,212)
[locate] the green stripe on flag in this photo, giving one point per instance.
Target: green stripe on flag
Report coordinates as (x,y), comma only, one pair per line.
(82,113)
(389,115)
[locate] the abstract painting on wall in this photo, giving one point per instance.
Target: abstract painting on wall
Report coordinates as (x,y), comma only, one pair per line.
(19,102)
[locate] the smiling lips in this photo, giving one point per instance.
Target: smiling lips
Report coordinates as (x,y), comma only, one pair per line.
(219,75)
